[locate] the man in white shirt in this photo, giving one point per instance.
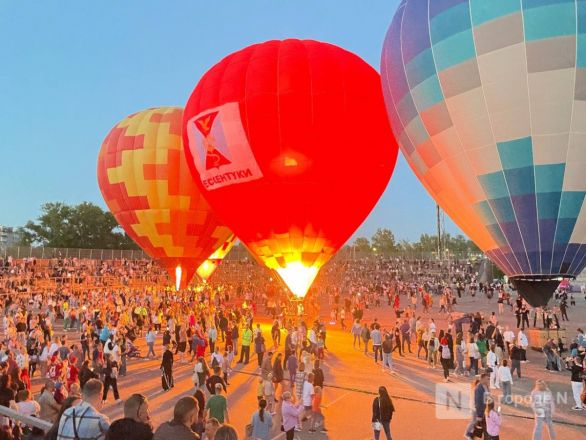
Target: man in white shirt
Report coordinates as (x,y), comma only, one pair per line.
(506,380)
(509,337)
(491,361)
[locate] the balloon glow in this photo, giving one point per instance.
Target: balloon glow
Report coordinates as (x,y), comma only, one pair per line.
(290,144)
(298,277)
(488,103)
(208,267)
(145,181)
(178,277)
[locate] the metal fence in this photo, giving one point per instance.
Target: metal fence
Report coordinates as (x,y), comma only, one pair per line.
(238,253)
(19,252)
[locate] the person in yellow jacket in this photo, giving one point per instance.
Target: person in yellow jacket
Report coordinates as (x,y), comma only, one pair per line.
(246,341)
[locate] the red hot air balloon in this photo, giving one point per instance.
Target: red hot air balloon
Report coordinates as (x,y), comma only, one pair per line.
(289,142)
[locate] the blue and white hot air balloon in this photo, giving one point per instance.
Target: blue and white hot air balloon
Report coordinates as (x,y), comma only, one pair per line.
(487,99)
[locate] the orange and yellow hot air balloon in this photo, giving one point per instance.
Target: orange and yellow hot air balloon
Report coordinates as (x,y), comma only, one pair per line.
(209,266)
(146,183)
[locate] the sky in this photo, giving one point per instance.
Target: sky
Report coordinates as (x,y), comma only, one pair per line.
(69,73)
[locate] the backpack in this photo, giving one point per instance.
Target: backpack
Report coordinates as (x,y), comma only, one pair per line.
(431,342)
(215,362)
(446,353)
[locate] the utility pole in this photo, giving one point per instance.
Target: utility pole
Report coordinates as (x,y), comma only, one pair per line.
(439,234)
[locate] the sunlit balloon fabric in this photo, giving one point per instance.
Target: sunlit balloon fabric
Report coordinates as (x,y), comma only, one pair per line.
(487,99)
(209,266)
(290,142)
(147,185)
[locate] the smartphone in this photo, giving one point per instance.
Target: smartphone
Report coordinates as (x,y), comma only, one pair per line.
(498,409)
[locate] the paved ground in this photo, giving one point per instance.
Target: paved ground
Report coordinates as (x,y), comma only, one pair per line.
(351,380)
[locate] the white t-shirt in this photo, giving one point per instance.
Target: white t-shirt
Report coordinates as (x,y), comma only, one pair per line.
(29,408)
(307,393)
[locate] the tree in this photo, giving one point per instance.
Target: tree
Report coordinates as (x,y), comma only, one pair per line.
(84,226)
(362,244)
(383,241)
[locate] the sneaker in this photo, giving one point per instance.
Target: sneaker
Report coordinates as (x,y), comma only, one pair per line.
(312,430)
(577,408)
(323,430)
(298,429)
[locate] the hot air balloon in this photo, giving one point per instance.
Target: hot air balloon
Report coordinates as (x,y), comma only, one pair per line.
(148,187)
(289,142)
(487,100)
(209,266)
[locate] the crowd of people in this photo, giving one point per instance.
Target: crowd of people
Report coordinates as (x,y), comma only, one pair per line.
(108,309)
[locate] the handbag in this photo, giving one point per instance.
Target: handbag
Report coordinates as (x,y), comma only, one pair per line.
(377,426)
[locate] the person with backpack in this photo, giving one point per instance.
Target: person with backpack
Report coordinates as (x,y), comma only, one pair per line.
(445,358)
(215,379)
(382,413)
(84,421)
(110,379)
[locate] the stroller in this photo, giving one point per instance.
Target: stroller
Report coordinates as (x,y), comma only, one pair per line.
(132,350)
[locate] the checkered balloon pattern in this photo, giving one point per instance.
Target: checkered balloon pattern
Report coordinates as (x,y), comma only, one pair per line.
(487,99)
(146,183)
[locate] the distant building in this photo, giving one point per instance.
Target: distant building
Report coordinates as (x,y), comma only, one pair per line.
(9,236)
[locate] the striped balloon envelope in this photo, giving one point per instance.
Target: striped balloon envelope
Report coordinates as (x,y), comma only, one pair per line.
(487,99)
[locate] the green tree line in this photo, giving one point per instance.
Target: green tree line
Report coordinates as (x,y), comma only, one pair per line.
(84,226)
(383,241)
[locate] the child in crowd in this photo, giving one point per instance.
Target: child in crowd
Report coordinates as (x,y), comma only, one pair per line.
(317,419)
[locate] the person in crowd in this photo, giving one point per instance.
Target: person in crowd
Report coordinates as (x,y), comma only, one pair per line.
(387,354)
(211,427)
(543,406)
(506,381)
(382,413)
(493,421)
(217,406)
(179,428)
(246,341)
(110,379)
(49,406)
(445,358)
(167,369)
(128,429)
(67,403)
(84,420)
(262,422)
(151,338)
(577,382)
(226,432)
(26,405)
(290,414)
(137,408)
(317,415)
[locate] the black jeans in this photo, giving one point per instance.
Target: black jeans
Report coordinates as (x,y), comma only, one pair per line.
(245,354)
(377,349)
(108,381)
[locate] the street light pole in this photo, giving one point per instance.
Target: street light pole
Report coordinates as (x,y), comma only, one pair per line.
(439,233)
